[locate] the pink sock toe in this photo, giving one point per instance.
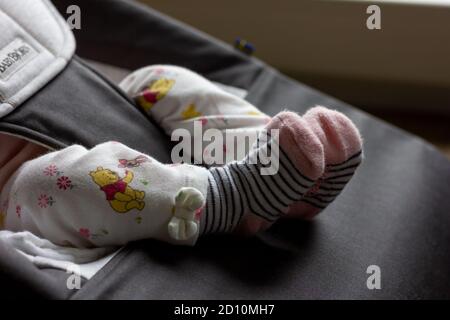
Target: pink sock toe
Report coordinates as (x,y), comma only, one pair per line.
(300,143)
(337,133)
(342,145)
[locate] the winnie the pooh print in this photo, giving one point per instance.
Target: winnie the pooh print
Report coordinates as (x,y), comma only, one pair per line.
(157,90)
(120,195)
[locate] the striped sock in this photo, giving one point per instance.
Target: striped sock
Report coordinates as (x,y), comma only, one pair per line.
(343,154)
(333,181)
(240,196)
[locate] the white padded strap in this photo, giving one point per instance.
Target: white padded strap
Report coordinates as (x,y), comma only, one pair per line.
(35,45)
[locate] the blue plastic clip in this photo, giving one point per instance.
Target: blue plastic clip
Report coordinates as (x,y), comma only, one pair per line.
(244,46)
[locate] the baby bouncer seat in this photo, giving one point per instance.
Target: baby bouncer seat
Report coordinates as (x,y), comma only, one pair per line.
(394,214)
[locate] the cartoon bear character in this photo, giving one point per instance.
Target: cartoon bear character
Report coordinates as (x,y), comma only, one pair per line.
(157,90)
(120,195)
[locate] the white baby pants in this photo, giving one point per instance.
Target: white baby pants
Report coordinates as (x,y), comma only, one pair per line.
(112,194)
(108,195)
(181,101)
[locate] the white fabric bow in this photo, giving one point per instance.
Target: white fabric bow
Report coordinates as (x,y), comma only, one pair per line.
(188,203)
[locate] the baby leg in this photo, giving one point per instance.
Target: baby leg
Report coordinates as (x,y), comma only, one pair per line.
(102,197)
(175,97)
(178,99)
(217,109)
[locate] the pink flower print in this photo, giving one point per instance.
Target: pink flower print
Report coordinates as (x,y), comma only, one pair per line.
(19,211)
(51,170)
(85,233)
(44,201)
(64,183)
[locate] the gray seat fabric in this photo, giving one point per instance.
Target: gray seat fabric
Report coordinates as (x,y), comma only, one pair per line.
(394,214)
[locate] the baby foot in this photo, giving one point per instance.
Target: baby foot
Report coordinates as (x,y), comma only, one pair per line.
(242,198)
(342,147)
